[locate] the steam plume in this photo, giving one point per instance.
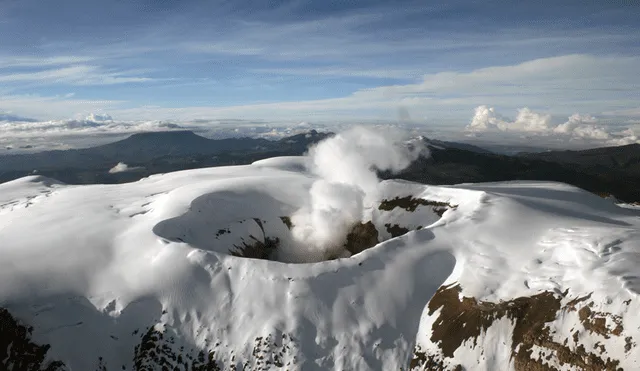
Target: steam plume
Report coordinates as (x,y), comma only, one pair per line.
(347,183)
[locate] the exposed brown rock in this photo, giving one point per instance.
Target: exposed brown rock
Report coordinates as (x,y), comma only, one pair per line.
(256,249)
(464,319)
(396,230)
(156,353)
(222,231)
(363,236)
(596,322)
(571,305)
(429,362)
(287,221)
(411,204)
(628,344)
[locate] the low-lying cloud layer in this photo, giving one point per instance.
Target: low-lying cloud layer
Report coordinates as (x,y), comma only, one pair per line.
(29,135)
(487,126)
(99,128)
(94,124)
(529,123)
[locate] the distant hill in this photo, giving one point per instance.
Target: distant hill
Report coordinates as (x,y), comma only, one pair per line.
(611,170)
(440,144)
(145,147)
(151,153)
(622,157)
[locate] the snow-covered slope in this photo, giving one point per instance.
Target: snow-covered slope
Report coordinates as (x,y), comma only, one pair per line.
(160,274)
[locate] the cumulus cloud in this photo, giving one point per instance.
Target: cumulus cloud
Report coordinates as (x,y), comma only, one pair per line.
(577,126)
(583,126)
(486,119)
(627,136)
(530,121)
(347,183)
(121,167)
(99,117)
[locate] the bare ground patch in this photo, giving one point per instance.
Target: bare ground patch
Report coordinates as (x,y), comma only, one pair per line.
(462,320)
(410,204)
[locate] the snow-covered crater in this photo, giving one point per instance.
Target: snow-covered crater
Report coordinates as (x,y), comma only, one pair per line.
(254,224)
(115,269)
(153,274)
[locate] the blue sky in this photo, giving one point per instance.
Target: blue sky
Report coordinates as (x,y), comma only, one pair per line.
(428,62)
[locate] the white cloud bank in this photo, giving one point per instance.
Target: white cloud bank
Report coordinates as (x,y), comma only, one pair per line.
(21,129)
(488,120)
(99,117)
(96,129)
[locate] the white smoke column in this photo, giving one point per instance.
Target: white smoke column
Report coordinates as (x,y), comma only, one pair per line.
(347,183)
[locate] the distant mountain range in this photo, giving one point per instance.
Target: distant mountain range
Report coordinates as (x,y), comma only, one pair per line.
(150,153)
(621,157)
(606,171)
(144,147)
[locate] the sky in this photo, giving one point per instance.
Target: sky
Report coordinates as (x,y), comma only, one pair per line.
(425,63)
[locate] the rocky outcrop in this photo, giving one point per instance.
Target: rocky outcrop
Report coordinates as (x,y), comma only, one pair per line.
(18,351)
(461,322)
(410,204)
